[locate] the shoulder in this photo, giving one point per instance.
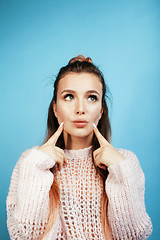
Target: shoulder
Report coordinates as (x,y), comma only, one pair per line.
(27,151)
(126,153)
(25,154)
(132,158)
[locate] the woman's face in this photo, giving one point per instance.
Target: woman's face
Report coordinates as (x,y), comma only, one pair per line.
(79,103)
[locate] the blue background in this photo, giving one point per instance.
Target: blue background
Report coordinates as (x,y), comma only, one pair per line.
(123,39)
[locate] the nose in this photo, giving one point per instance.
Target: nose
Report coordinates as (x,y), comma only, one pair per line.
(80,107)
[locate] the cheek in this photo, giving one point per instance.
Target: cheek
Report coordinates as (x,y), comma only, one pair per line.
(62,112)
(96,119)
(95,112)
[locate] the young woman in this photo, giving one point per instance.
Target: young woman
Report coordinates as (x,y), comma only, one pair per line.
(77,185)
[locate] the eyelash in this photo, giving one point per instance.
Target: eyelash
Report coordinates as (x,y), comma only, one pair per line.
(90,96)
(93,96)
(67,95)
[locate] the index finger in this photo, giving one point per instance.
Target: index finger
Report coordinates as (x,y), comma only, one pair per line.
(56,135)
(99,136)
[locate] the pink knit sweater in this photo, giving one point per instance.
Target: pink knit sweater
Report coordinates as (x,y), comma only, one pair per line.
(80,192)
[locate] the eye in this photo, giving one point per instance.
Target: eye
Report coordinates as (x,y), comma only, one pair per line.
(68,97)
(92,98)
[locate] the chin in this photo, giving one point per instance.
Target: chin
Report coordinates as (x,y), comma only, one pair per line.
(80,132)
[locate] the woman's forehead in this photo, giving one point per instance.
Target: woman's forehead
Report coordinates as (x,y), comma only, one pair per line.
(80,81)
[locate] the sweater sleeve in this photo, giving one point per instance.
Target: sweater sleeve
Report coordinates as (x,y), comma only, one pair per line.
(125,187)
(28,198)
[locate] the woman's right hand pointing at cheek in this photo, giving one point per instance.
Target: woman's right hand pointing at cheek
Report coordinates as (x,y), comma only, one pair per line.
(51,149)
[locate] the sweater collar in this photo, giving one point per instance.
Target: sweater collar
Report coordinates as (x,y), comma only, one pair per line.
(79,154)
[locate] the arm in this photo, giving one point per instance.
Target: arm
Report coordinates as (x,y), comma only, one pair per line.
(125,188)
(28,197)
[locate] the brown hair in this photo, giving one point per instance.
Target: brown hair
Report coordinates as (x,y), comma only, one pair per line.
(79,64)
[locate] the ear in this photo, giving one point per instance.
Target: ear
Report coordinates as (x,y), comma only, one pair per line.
(54,108)
(101,113)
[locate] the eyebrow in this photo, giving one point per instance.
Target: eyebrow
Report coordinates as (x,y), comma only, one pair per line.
(72,91)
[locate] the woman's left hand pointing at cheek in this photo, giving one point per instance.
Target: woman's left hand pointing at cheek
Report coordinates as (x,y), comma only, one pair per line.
(106,154)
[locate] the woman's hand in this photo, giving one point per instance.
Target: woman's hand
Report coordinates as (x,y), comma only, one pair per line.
(106,155)
(55,152)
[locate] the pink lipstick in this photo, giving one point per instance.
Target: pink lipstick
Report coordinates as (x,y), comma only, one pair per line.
(80,124)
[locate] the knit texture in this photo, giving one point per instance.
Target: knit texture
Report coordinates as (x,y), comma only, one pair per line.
(80,193)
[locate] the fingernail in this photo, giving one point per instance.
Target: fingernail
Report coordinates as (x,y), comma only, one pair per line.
(94,125)
(61,124)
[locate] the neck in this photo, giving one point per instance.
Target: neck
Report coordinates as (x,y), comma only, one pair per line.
(76,143)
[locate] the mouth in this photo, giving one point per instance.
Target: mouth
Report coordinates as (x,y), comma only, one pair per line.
(80,123)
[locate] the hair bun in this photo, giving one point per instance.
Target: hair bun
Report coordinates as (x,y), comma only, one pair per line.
(80,58)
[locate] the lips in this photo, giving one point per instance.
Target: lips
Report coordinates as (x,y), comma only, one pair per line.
(80,123)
